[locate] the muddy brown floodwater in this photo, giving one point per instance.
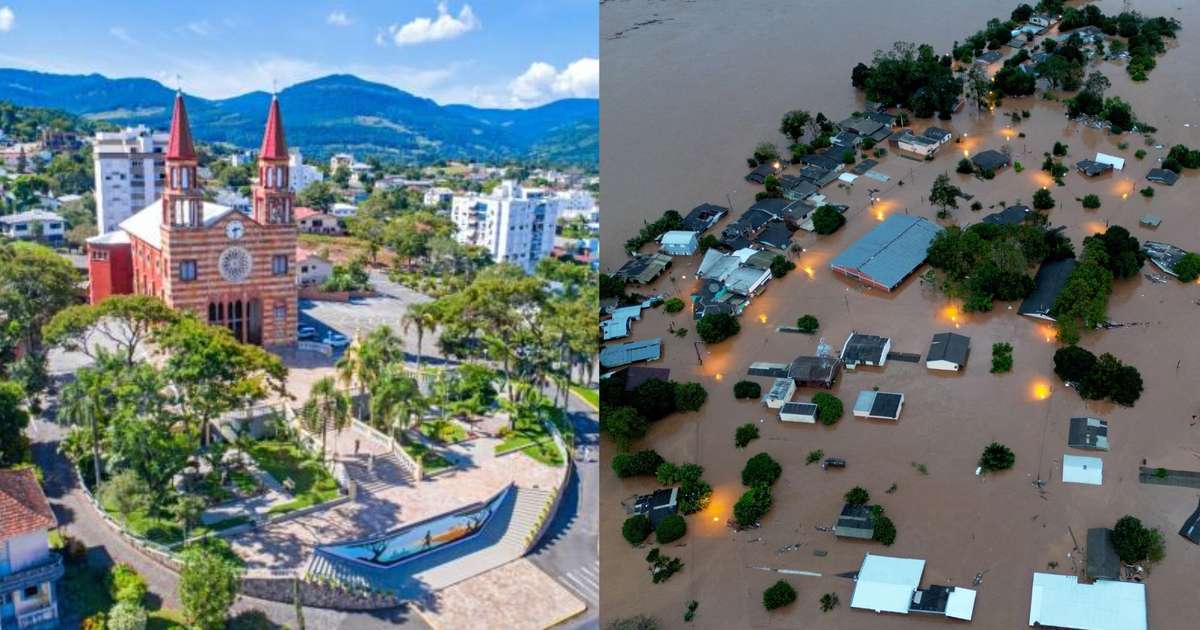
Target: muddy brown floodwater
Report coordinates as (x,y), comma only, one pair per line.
(686,96)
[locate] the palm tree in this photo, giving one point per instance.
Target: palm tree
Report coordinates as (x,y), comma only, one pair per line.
(396,400)
(327,405)
(424,318)
(84,402)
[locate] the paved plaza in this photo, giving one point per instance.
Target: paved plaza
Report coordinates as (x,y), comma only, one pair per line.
(490,596)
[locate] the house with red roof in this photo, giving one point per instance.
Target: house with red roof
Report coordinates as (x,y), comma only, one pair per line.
(28,569)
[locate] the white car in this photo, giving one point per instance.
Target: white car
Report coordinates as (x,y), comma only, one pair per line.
(337,340)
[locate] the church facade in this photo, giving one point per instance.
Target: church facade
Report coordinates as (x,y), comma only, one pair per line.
(229,268)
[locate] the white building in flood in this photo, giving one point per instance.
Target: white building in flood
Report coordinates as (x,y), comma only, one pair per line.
(129,172)
(514,225)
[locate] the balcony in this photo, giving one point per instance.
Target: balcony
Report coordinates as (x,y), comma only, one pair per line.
(40,617)
(50,571)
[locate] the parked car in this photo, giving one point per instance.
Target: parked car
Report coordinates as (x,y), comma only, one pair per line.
(833,462)
(337,340)
(306,332)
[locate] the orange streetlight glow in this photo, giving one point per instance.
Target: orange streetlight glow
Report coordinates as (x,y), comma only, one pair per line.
(810,271)
(966,153)
(1041,390)
(1048,332)
(719,376)
(879,215)
(763,318)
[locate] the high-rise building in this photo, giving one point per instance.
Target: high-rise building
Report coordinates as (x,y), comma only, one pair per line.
(514,225)
(228,268)
(300,175)
(129,173)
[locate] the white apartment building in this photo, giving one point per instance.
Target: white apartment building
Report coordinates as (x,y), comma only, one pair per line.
(438,194)
(34,225)
(129,172)
(514,225)
(300,175)
(577,202)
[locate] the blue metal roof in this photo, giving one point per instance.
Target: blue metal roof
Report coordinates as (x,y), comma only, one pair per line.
(890,252)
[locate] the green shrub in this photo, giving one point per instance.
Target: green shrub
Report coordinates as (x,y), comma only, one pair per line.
(780,266)
(745,434)
(752,505)
(814,457)
(1136,542)
(636,529)
(673,305)
(689,396)
(829,601)
(1002,360)
(645,462)
(747,389)
(996,456)
(827,220)
(829,408)
(807,324)
(667,474)
(1042,199)
(1147,192)
(1139,154)
(126,615)
(761,469)
(778,595)
(1060,149)
(885,530)
(670,529)
(717,327)
(857,495)
(126,585)
(965,167)
(1091,202)
(1188,267)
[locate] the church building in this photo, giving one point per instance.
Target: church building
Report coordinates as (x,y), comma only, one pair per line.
(229,268)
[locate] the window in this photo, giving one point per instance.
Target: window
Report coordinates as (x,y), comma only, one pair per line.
(280,312)
(187,270)
(31,591)
(279,264)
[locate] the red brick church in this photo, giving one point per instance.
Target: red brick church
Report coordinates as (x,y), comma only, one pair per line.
(231,269)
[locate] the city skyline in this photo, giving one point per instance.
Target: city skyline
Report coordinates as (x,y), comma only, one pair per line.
(476,53)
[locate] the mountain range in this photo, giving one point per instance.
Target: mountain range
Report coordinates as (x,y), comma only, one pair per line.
(335,113)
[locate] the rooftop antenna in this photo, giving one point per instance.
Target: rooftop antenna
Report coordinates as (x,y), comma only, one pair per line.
(274,86)
(178,84)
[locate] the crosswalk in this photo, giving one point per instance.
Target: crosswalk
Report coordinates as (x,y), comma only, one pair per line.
(584,581)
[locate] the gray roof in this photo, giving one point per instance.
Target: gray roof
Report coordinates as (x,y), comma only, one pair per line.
(1191,527)
(802,408)
(890,252)
(1102,560)
(1088,433)
(631,352)
(950,347)
(1011,215)
(31,215)
(855,522)
(776,235)
(1164,255)
(936,133)
(1092,168)
(643,269)
(812,370)
(990,159)
(703,217)
(1050,279)
(862,348)
(1163,176)
(879,404)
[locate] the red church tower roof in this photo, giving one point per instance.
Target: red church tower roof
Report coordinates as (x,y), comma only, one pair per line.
(180,146)
(274,146)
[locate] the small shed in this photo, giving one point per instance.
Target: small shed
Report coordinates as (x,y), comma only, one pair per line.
(1088,434)
(1191,527)
(1150,220)
(879,405)
(948,351)
(1102,560)
(865,350)
(657,505)
(855,522)
(1163,176)
(1079,469)
(680,243)
(780,393)
(798,412)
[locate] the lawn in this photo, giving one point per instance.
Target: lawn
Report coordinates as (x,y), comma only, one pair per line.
(592,396)
(431,461)
(83,591)
(163,530)
(532,438)
(447,432)
(285,460)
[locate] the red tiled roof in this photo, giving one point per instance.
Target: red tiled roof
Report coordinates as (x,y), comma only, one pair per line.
(303,212)
(274,147)
(180,146)
(23,505)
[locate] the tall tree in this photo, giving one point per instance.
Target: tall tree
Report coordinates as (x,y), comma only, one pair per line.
(208,584)
(327,407)
(35,283)
(13,420)
(943,194)
(126,321)
(396,401)
(424,318)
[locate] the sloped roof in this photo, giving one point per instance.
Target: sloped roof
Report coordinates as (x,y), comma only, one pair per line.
(23,505)
(1102,560)
(631,352)
(1060,601)
(180,146)
(1191,527)
(861,348)
(274,146)
(1050,279)
(1088,433)
(891,251)
(990,159)
(886,584)
(1012,215)
(950,347)
(146,222)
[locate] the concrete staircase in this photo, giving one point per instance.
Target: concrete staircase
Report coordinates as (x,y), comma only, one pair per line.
(503,540)
(388,473)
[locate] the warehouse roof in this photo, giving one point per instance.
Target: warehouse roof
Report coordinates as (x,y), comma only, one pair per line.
(1060,601)
(890,252)
(886,584)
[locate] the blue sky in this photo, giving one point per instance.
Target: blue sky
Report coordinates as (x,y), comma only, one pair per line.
(491,53)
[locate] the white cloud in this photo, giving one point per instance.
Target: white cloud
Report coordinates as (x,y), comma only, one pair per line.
(7,18)
(444,26)
(380,40)
(200,28)
(120,33)
(542,82)
(338,18)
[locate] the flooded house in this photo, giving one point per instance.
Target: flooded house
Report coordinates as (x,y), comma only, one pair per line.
(1049,281)
(888,254)
(862,349)
(780,393)
(1164,255)
(1162,176)
(1012,215)
(622,354)
(805,412)
(1061,601)
(643,268)
(1092,168)
(990,160)
(855,522)
(679,243)
(1085,470)
(1191,527)
(888,584)
(948,351)
(703,217)
(878,405)
(1090,434)
(804,371)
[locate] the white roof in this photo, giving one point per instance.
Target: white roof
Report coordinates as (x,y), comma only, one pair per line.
(886,583)
(116,237)
(1062,602)
(1081,469)
(678,237)
(1117,163)
(146,223)
(618,326)
(31,215)
(848,177)
(961,604)
(716,265)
